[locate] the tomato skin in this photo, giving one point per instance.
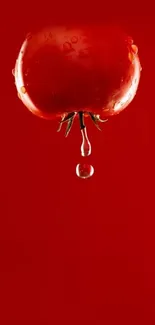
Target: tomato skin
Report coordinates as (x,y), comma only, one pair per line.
(86,68)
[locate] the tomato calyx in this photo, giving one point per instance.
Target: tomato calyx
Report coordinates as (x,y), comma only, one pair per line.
(69,118)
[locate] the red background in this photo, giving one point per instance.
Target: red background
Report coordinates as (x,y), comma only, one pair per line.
(75,251)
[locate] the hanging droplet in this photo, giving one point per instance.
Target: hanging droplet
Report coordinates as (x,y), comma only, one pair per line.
(84,170)
(86,145)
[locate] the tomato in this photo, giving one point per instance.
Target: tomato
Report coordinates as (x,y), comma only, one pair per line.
(89,69)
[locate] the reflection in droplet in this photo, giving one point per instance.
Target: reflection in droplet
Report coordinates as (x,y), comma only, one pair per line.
(18,94)
(131,56)
(134,48)
(13,72)
(84,170)
(86,145)
(23,90)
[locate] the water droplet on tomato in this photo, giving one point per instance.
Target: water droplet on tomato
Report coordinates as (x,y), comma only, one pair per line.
(84,170)
(74,39)
(67,47)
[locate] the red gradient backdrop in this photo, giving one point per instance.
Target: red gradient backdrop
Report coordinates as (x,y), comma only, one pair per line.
(75,251)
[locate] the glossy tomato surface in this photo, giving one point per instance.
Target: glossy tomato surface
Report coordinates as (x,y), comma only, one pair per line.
(86,68)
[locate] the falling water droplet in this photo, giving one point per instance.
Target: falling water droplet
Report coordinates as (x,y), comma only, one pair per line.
(84,170)
(86,145)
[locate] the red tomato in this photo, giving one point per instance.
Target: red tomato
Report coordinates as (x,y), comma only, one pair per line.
(92,69)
